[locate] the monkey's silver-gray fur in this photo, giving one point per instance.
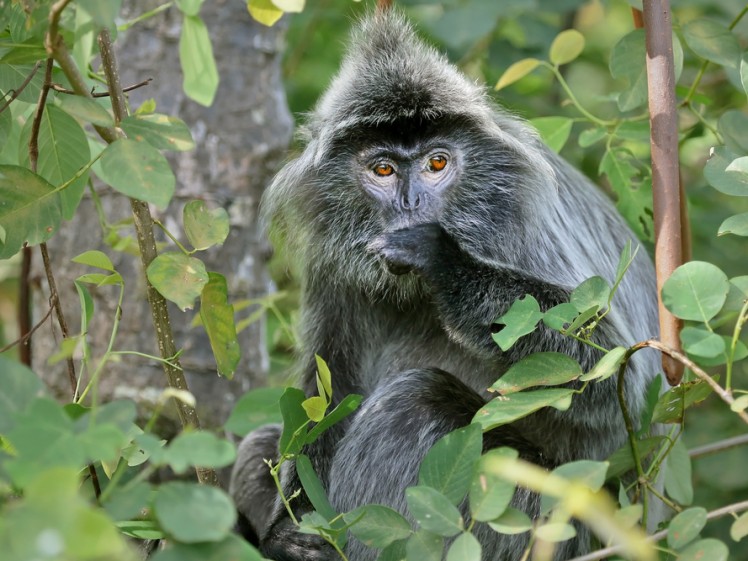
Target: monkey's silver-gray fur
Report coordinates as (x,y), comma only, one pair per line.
(417,213)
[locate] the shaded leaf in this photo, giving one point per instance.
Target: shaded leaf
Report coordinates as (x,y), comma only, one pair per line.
(696,291)
(161,131)
(377,526)
(30,211)
(538,369)
(490,494)
(178,278)
(433,511)
(553,130)
(137,170)
(504,410)
(685,527)
(254,409)
(448,465)
(217,316)
(521,319)
(193,513)
(198,65)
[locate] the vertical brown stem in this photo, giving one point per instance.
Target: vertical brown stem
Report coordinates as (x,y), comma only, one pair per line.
(24,307)
(665,172)
(147,244)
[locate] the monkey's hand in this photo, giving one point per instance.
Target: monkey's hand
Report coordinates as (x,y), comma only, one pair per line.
(417,248)
(286,543)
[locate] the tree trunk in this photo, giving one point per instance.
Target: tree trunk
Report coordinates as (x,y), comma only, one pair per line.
(240,141)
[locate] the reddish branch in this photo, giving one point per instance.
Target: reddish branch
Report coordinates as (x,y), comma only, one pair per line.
(665,172)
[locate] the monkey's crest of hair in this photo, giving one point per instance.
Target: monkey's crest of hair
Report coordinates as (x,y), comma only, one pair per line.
(391,77)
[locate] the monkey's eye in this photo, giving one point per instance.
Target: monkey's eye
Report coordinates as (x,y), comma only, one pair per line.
(383,169)
(437,163)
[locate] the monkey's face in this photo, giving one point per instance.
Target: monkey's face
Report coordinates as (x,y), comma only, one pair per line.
(407,183)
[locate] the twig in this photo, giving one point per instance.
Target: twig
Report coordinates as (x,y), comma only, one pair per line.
(24,305)
(147,243)
(613,550)
(725,395)
(60,89)
(665,172)
(719,446)
(25,337)
(15,93)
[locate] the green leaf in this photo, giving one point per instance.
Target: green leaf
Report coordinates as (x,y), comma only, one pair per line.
(627,62)
(192,513)
(592,292)
(700,342)
(634,200)
(103,13)
(199,449)
(324,378)
(42,435)
(128,503)
(198,65)
(377,526)
(517,71)
(559,317)
(591,136)
(160,131)
(512,522)
(94,258)
(553,130)
(567,46)
(19,386)
(85,109)
(538,369)
(190,7)
(465,548)
(490,495)
(178,278)
(254,409)
(347,406)
(606,366)
(712,41)
(205,227)
(733,126)
(724,174)
(709,548)
(137,170)
(264,11)
(678,482)
(695,291)
(294,418)
(425,546)
(587,472)
(13,75)
(448,465)
(315,408)
(217,316)
(621,461)
(507,409)
(433,511)
(54,521)
(313,487)
(396,551)
(736,225)
(685,527)
(63,151)
(31,209)
(520,319)
(231,548)
(555,532)
(739,528)
(672,404)
(293,6)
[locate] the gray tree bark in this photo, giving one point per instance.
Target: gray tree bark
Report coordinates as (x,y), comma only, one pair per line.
(240,141)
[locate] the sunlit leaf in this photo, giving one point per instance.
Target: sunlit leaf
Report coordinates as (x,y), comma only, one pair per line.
(178,278)
(567,46)
(198,65)
(517,71)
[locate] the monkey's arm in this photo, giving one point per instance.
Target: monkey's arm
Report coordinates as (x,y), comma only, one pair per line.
(471,295)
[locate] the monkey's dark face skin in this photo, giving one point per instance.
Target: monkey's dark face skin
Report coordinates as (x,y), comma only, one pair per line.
(408,182)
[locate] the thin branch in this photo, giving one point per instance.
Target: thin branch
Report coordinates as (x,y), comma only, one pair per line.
(15,93)
(665,169)
(24,306)
(25,337)
(147,243)
(613,550)
(719,446)
(95,94)
(724,395)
